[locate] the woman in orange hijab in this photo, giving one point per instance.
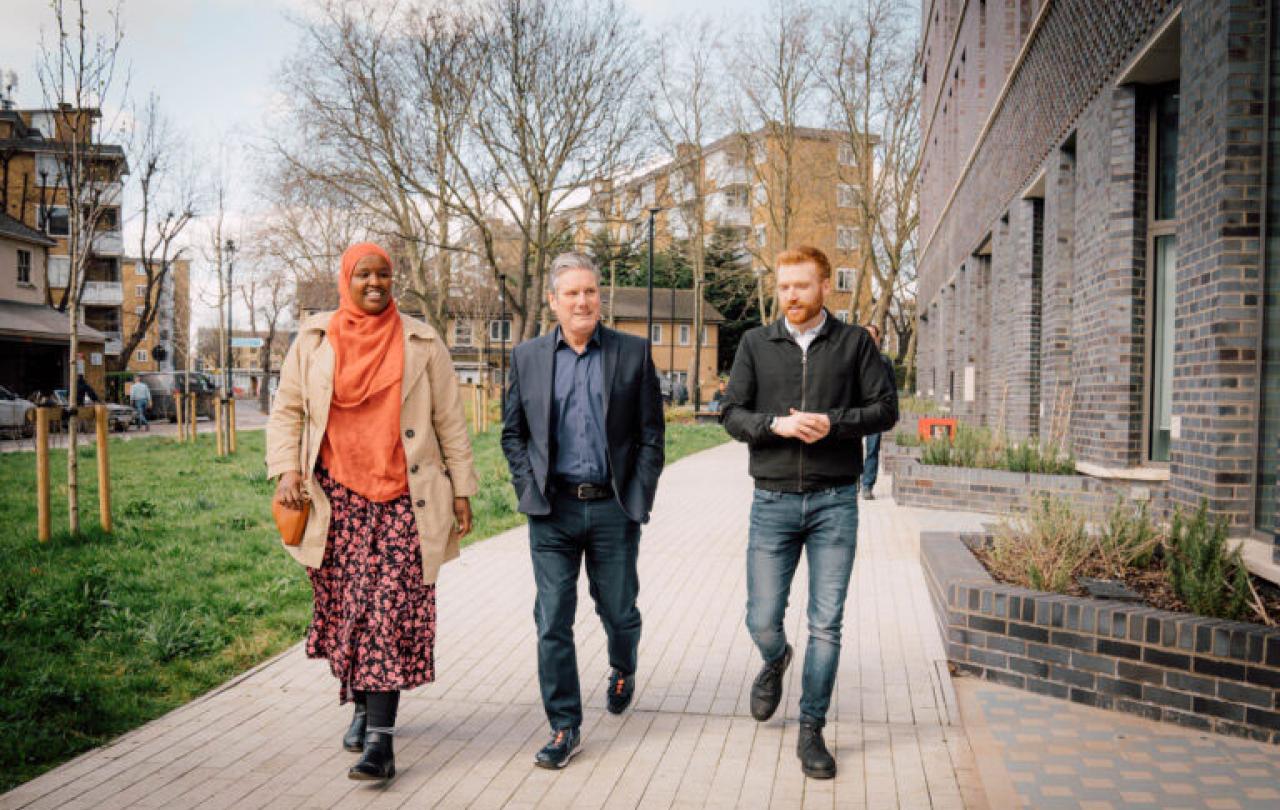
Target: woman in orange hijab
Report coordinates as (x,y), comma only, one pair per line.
(368,426)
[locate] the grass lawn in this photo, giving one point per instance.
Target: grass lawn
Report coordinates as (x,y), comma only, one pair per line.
(101,633)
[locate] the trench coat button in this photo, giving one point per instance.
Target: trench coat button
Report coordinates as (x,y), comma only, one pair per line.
(419,503)
(409,433)
(413,469)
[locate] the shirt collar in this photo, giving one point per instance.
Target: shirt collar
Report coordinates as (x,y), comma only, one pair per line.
(796,333)
(594,340)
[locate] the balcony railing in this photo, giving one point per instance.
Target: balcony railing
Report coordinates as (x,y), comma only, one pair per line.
(103,293)
(115,343)
(108,243)
(109,193)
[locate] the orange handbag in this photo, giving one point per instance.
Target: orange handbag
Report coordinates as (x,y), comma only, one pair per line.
(291,522)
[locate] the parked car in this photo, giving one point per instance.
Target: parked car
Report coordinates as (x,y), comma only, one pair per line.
(162,385)
(119,417)
(17,415)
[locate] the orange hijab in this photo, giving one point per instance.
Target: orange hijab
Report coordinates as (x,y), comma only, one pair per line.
(362,448)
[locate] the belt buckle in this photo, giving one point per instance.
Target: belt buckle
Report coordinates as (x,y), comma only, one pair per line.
(581,491)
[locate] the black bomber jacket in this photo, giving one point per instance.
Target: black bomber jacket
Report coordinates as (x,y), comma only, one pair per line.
(842,375)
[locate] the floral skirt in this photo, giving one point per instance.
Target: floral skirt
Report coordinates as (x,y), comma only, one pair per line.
(374,619)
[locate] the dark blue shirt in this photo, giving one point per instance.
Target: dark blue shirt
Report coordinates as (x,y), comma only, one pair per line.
(577,413)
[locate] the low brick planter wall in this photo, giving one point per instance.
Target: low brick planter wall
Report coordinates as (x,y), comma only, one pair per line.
(1174,667)
(1001,491)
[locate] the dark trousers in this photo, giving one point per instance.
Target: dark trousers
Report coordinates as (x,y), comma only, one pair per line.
(602,533)
(871,461)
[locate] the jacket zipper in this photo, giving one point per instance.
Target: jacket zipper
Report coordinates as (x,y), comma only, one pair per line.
(804,380)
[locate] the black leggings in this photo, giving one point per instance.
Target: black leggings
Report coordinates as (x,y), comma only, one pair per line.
(382,707)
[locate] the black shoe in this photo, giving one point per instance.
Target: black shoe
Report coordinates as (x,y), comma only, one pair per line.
(766,691)
(621,688)
(378,762)
(815,760)
(353,740)
(560,749)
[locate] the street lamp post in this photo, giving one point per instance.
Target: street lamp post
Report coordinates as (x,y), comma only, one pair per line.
(226,372)
(502,333)
(653,212)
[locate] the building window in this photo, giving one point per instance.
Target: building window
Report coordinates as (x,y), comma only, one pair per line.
(655,333)
(685,331)
(842,315)
(845,154)
(500,331)
(140,290)
(762,236)
(846,237)
(759,152)
(649,194)
(761,194)
(24,267)
(461,333)
(138,310)
(737,197)
(844,278)
(57,220)
(706,336)
(1162,269)
(140,355)
(846,196)
(139,269)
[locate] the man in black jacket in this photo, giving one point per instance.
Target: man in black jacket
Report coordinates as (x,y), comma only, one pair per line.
(584,436)
(802,393)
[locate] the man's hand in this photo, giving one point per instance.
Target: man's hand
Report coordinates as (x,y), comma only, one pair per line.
(289,490)
(462,515)
(807,427)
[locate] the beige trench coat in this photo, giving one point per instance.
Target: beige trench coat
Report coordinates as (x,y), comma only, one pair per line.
(432,428)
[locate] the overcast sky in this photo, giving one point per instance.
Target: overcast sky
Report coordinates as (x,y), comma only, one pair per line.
(213,62)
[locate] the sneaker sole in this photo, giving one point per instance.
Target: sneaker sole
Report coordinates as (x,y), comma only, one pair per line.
(359,776)
(551,766)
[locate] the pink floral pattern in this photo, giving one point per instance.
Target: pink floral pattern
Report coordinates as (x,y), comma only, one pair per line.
(374,618)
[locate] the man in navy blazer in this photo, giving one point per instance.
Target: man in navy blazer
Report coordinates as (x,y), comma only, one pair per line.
(583,433)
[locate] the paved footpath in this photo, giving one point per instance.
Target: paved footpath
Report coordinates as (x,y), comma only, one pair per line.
(903,735)
(271,738)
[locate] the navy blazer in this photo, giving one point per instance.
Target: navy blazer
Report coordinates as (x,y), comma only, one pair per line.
(635,429)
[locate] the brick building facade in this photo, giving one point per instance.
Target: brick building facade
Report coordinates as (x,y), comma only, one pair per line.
(1098,197)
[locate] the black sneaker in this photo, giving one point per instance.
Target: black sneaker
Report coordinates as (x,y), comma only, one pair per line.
(621,688)
(815,760)
(766,691)
(559,750)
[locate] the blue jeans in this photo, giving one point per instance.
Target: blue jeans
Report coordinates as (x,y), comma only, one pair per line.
(871,462)
(824,524)
(141,409)
(610,541)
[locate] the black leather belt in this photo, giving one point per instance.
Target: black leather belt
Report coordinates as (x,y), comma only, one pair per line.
(582,491)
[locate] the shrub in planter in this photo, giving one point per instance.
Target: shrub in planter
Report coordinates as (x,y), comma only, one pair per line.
(904,439)
(980,448)
(1043,549)
(1126,539)
(1211,579)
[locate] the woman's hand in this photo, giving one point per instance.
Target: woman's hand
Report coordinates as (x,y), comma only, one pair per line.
(462,515)
(289,490)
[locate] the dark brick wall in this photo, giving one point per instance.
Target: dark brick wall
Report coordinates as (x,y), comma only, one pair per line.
(1221,144)
(1001,492)
(1174,667)
(1063,328)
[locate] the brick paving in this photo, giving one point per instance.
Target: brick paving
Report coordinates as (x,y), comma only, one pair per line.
(271,737)
(1043,753)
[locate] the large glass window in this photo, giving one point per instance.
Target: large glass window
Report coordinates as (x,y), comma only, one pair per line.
(1163,291)
(1162,268)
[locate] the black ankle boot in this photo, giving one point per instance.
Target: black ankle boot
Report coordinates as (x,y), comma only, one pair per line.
(353,740)
(815,760)
(378,762)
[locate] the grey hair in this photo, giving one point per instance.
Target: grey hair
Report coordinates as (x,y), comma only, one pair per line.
(571,260)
